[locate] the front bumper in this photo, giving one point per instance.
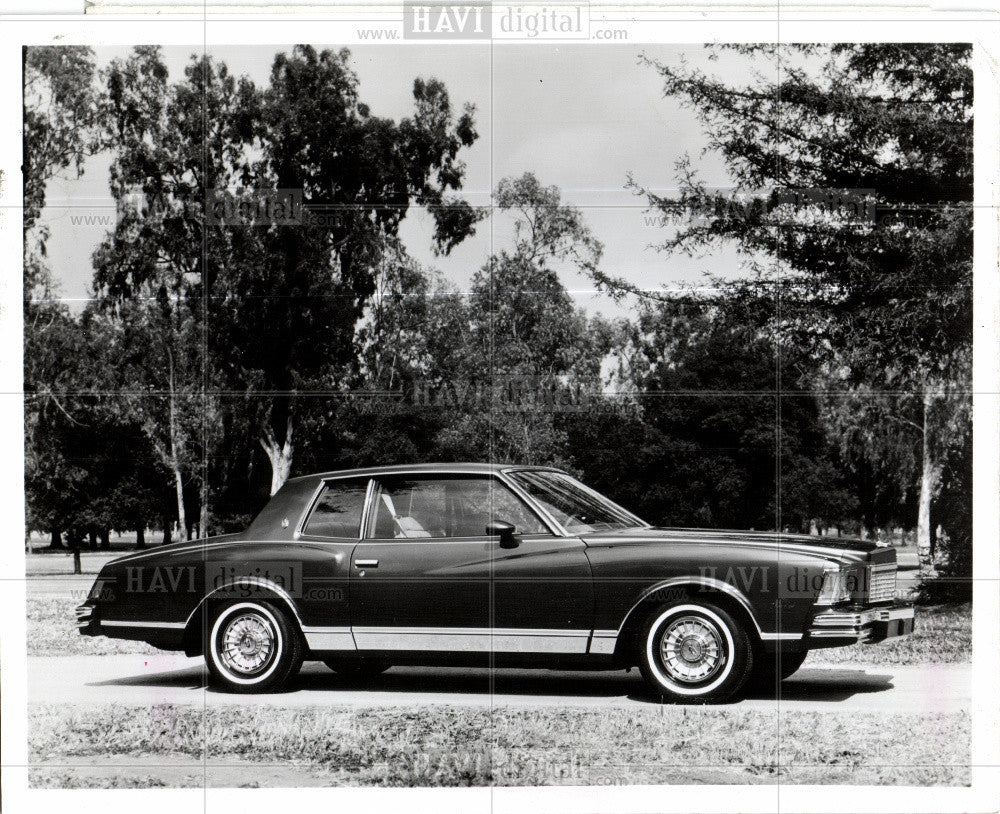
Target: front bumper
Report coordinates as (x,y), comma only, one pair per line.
(869,625)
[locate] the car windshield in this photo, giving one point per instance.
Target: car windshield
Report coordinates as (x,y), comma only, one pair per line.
(577,508)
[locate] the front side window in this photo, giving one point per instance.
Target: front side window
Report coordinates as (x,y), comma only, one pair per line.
(577,508)
(413,508)
(338,511)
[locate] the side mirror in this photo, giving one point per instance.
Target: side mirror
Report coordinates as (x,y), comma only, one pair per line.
(505,531)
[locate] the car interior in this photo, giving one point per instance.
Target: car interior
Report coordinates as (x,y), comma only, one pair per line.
(445,508)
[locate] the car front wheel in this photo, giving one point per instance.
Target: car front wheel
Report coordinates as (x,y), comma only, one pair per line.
(694,653)
(252,647)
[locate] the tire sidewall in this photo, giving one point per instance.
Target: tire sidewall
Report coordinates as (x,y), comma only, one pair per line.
(720,686)
(282,665)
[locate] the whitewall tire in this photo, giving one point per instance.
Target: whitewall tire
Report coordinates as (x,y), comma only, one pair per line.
(252,646)
(694,652)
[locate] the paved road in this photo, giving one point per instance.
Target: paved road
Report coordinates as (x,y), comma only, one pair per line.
(174,679)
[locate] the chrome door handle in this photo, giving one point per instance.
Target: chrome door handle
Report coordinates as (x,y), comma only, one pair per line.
(366,563)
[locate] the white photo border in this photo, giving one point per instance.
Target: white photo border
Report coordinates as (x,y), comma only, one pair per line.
(645,27)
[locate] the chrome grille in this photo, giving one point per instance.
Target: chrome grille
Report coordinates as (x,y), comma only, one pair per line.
(882,582)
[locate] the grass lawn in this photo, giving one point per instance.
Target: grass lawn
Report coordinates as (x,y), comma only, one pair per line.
(60,563)
(43,560)
(462,747)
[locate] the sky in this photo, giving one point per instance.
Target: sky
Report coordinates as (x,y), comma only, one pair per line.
(580,116)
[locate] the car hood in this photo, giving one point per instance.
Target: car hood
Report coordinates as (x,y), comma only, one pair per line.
(835,548)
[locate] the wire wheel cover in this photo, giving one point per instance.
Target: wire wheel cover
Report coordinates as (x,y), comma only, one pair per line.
(691,649)
(248,644)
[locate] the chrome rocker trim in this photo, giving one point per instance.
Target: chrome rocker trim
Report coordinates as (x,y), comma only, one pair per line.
(329,638)
(127,623)
(471,640)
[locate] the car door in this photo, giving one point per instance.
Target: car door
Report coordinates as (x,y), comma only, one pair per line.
(327,538)
(428,577)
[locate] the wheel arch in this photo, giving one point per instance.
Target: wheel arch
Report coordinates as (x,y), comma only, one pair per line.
(677,589)
(195,627)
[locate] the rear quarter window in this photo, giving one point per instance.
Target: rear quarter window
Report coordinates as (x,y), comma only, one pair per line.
(337,512)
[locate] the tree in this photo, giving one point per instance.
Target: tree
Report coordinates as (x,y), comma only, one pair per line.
(175,147)
(51,474)
(357,174)
(148,349)
(59,119)
(706,386)
(393,336)
(489,375)
(61,116)
(529,352)
(864,156)
(88,467)
(533,324)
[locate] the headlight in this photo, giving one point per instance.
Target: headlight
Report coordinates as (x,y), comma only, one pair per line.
(838,584)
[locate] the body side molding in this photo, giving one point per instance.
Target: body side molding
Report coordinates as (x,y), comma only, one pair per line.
(122,623)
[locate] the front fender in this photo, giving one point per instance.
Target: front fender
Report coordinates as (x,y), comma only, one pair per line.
(777,590)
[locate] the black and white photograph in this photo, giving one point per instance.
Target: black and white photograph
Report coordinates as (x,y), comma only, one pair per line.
(500,399)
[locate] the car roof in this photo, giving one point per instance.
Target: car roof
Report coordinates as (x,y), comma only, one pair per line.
(461,468)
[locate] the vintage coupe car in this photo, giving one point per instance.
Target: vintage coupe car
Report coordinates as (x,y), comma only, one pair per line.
(466,564)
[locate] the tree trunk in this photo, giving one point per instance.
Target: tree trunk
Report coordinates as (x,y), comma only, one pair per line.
(166,530)
(140,536)
(55,541)
(179,486)
(280,455)
(203,514)
(930,478)
(75,540)
(928,484)
(92,538)
(104,535)
(175,457)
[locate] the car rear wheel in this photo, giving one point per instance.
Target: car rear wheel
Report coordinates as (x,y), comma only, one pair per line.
(252,647)
(694,652)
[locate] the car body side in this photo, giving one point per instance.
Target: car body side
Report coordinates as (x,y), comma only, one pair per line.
(583,595)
